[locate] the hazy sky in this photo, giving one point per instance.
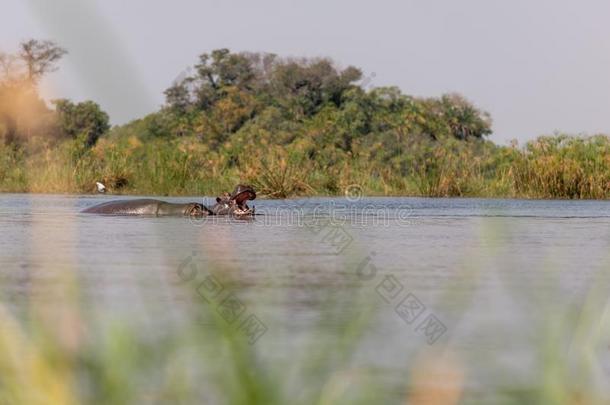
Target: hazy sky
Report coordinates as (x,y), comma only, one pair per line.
(537,66)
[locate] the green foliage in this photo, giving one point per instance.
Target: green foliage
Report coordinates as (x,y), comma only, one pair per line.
(278,174)
(463,120)
(86,120)
(564,167)
(265,119)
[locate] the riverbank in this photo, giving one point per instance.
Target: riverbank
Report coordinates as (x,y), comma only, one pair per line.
(562,167)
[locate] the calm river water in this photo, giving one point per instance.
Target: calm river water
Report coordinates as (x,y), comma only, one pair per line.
(488,281)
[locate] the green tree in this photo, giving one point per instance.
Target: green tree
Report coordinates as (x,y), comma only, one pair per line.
(178,97)
(463,118)
(305,86)
(219,70)
(82,119)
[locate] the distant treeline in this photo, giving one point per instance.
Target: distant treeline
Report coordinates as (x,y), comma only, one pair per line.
(289,126)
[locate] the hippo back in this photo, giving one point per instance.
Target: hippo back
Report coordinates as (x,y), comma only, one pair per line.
(126,207)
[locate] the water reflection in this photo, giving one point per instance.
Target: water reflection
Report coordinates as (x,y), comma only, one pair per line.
(498,275)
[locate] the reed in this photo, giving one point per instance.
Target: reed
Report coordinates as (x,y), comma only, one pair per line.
(564,167)
(550,167)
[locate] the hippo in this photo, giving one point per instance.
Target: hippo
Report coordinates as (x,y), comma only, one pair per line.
(148,207)
(229,204)
(235,203)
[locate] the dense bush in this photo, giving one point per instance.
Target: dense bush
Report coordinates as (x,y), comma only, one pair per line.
(85,120)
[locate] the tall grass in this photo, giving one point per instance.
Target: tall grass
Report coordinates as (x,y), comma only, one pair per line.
(549,167)
(564,167)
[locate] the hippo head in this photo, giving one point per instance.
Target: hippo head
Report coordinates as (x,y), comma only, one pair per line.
(235,203)
(241,194)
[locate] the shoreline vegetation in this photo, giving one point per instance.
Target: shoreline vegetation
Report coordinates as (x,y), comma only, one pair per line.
(290,127)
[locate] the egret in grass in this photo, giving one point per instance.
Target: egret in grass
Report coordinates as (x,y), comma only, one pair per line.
(100,187)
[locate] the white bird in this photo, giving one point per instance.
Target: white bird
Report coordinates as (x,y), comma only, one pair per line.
(100,187)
